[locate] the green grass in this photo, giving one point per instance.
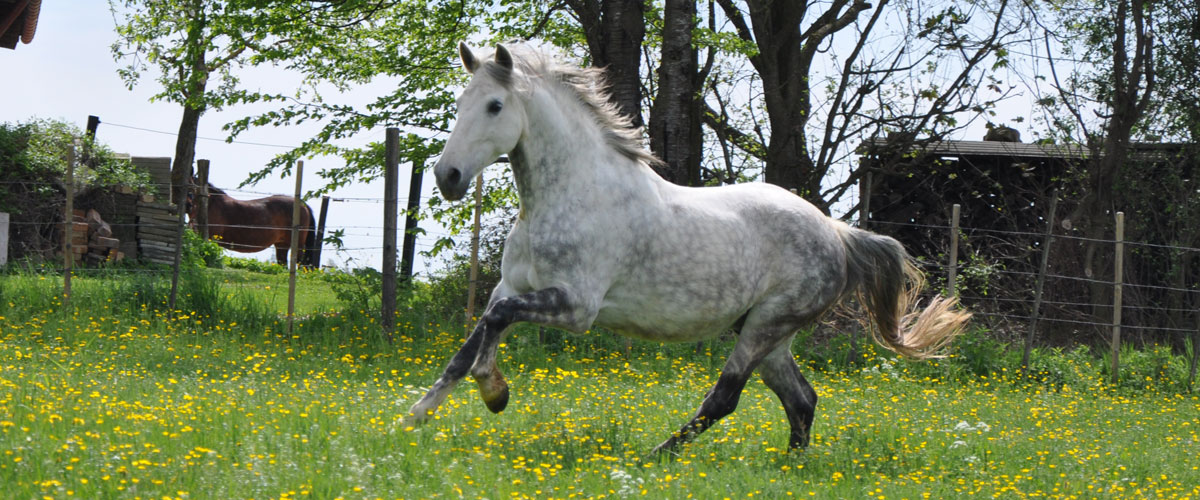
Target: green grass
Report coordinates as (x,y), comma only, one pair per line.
(312,294)
(112,400)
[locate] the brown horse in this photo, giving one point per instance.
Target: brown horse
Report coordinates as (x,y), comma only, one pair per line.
(253,225)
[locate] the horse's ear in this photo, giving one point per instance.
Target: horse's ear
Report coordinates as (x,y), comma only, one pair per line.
(503,57)
(468,59)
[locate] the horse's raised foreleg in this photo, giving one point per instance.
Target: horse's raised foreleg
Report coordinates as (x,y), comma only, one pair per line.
(454,372)
(781,374)
(550,306)
(752,346)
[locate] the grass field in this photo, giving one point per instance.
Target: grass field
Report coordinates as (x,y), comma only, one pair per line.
(112,400)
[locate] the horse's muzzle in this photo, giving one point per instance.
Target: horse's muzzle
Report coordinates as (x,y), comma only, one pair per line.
(451,182)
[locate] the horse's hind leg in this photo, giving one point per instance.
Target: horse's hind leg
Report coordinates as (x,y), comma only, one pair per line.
(281,254)
(753,345)
(781,374)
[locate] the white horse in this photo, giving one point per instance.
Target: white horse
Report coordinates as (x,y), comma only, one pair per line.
(603,240)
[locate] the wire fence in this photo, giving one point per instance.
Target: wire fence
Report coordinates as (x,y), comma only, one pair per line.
(426,239)
(1072,304)
(1008,307)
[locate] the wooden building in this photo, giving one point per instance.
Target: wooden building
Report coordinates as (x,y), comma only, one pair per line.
(1005,188)
(18,21)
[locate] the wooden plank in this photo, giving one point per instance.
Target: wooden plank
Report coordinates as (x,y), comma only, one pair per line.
(157,227)
(155,222)
(167,242)
(157,237)
(156,214)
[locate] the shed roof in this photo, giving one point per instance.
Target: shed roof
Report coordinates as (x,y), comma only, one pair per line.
(1019,150)
(18,21)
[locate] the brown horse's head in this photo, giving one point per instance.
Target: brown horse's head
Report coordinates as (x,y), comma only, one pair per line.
(190,206)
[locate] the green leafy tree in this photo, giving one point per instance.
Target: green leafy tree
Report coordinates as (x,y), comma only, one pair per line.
(195,49)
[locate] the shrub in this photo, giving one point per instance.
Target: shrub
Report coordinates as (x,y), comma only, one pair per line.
(253,265)
(199,252)
(1150,368)
(359,289)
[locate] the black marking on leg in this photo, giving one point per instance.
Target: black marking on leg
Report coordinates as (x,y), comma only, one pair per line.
(543,306)
(465,357)
(721,401)
(799,400)
(549,305)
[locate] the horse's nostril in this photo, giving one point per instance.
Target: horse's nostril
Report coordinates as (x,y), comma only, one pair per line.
(454,176)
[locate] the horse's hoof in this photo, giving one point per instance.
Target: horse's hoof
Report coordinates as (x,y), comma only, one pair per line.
(412,421)
(497,402)
(494,391)
(668,449)
(419,414)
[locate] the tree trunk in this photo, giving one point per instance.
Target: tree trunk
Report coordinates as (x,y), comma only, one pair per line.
(185,152)
(196,77)
(675,134)
(784,70)
(615,30)
(784,59)
(1132,86)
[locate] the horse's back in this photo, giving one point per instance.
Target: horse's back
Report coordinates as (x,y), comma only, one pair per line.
(715,253)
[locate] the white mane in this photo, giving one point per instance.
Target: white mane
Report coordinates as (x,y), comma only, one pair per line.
(590,89)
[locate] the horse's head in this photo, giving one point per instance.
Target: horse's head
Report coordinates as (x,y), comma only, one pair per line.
(491,117)
(189,202)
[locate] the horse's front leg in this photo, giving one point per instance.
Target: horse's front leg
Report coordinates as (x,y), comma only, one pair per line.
(550,306)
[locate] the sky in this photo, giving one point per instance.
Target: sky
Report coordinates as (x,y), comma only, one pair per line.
(68,72)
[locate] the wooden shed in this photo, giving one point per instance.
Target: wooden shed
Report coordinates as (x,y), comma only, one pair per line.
(18,21)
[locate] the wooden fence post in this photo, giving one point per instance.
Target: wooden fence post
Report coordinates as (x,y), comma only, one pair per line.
(952,280)
(864,200)
(92,124)
(202,198)
(1041,281)
(1195,352)
(410,220)
(1118,280)
(471,285)
(316,254)
(390,165)
(294,249)
(68,230)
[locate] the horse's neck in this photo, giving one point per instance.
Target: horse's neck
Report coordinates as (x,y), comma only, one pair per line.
(562,161)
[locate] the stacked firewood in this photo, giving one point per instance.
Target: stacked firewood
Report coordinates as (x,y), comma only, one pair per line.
(91,239)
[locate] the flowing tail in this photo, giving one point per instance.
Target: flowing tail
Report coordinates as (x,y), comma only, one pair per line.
(880,271)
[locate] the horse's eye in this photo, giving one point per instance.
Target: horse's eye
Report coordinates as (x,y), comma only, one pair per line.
(494,107)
